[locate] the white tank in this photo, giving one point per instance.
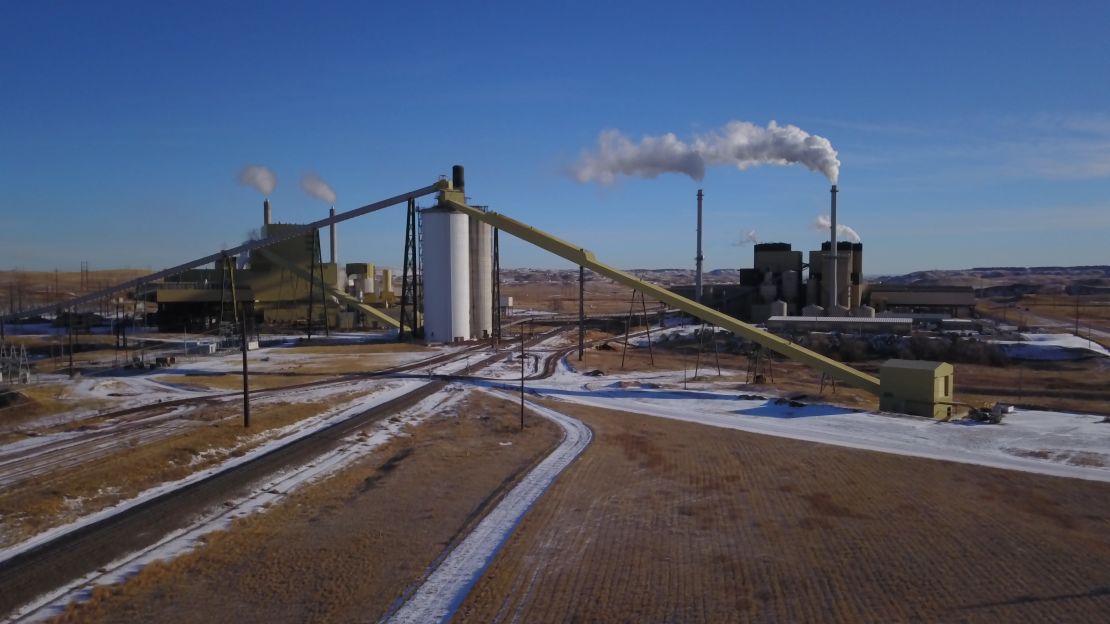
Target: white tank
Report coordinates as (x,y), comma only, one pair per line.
(865,311)
(481,279)
(446,266)
(367,284)
(778,308)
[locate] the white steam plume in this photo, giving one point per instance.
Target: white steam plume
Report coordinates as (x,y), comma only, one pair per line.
(843,232)
(747,237)
(315,186)
(262,179)
(739,143)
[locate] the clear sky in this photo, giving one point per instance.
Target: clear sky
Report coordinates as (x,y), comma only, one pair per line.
(970,133)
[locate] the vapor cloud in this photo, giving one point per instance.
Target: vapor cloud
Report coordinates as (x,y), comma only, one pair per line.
(261,179)
(740,143)
(843,232)
(747,237)
(315,186)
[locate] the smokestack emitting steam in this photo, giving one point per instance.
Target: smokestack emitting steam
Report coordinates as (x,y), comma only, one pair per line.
(835,252)
(823,223)
(315,186)
(267,213)
(699,258)
(739,143)
(260,178)
(332,228)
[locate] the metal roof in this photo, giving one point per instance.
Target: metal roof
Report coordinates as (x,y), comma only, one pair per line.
(886,320)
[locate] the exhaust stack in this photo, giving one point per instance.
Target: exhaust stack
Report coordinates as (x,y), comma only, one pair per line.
(699,258)
(332,231)
(832,247)
(266,213)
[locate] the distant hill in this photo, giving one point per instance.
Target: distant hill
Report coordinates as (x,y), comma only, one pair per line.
(1008,281)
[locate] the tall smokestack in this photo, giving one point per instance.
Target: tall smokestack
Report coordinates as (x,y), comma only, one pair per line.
(832,247)
(699,258)
(458,180)
(332,229)
(266,214)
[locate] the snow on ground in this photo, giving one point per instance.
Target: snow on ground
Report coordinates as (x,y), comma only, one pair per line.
(446,587)
(219,518)
(1053,443)
(378,393)
(1052,347)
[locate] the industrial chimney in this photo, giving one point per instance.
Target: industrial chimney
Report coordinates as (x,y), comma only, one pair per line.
(266,214)
(331,228)
(699,258)
(833,302)
(458,180)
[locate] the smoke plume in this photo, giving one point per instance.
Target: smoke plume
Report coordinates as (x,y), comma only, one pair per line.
(747,237)
(260,178)
(843,232)
(315,186)
(740,143)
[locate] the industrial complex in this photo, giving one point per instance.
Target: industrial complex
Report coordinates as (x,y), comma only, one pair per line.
(375,390)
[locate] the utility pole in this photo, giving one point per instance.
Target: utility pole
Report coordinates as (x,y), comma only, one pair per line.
(1076,310)
(522,376)
(581,311)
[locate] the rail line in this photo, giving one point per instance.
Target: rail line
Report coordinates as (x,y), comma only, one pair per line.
(38,570)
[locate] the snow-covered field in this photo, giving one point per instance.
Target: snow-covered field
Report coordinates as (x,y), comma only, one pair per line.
(1052,347)
(1053,443)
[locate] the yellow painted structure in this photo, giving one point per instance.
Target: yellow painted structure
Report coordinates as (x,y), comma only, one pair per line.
(917,387)
(454,199)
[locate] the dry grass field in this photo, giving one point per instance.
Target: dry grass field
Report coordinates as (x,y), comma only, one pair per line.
(664,521)
(345,549)
(27,289)
(215,433)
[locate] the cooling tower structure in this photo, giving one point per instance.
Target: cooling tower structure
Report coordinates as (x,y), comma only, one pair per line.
(481,279)
(446,268)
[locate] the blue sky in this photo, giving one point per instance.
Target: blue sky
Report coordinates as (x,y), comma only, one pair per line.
(970,134)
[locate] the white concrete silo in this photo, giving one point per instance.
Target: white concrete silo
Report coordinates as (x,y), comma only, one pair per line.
(446,268)
(481,279)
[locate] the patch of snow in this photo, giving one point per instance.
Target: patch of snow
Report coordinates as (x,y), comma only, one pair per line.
(441,593)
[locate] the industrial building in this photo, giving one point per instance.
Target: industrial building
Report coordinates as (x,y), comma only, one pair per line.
(917,387)
(775,285)
(286,283)
(954,301)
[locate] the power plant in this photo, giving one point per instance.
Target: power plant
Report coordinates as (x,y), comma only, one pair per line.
(450,294)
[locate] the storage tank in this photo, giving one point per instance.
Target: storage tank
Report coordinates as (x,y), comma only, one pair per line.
(481,279)
(791,281)
(387,282)
(778,308)
(446,266)
(768,290)
(864,312)
(813,310)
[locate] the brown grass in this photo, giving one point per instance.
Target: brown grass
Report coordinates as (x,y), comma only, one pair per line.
(345,549)
(664,521)
(65,494)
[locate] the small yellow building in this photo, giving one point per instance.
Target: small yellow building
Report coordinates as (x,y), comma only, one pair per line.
(904,387)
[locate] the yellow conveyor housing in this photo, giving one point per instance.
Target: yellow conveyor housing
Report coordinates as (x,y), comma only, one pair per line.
(454,199)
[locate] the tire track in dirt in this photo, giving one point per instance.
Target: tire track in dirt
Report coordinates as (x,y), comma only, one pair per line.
(447,586)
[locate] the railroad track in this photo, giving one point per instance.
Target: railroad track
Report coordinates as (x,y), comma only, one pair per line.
(52,564)
(147,423)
